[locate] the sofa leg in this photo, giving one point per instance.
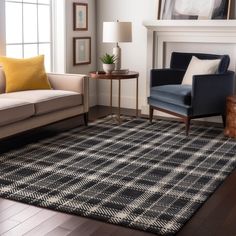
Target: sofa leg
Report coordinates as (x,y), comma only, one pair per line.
(150,114)
(224,120)
(86,119)
(187,121)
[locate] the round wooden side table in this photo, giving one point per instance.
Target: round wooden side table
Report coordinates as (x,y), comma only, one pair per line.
(122,76)
(230,129)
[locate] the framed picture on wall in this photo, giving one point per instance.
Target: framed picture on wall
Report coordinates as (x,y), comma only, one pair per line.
(82,50)
(80,16)
(194,10)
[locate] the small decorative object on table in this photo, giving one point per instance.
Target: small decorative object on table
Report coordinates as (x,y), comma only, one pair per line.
(230,129)
(108,62)
(123,71)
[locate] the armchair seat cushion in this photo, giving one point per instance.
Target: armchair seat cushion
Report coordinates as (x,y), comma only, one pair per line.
(173,94)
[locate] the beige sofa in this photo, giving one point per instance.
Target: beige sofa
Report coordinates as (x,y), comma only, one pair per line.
(25,110)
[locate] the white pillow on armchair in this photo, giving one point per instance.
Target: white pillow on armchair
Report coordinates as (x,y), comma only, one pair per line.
(200,67)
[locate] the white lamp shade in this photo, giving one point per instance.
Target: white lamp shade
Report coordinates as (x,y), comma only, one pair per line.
(115,32)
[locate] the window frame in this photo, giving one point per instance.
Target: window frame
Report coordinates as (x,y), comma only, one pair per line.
(38,43)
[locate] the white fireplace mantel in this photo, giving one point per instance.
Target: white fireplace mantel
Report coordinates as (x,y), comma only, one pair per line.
(160,32)
(190,25)
(187,31)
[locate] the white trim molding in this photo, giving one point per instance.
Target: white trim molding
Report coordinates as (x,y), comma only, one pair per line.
(2,29)
(59,36)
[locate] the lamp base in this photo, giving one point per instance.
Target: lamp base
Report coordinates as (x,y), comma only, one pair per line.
(117,53)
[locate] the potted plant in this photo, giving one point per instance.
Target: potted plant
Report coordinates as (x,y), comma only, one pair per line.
(108,62)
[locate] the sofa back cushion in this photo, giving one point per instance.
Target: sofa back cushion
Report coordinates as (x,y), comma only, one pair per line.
(181,60)
(2,81)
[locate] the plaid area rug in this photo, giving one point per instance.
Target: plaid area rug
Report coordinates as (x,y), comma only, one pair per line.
(142,176)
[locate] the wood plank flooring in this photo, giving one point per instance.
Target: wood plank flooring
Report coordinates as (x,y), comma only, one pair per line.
(217,217)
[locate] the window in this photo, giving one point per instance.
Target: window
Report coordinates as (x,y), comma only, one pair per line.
(28,29)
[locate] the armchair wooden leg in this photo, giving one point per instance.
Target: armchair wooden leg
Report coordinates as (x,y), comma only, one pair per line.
(86,119)
(150,114)
(187,121)
(224,120)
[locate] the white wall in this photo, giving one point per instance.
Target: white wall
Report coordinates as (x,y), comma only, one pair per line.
(2,28)
(133,54)
(70,33)
(59,37)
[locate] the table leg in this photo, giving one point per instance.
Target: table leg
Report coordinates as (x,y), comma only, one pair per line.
(119,102)
(136,97)
(111,98)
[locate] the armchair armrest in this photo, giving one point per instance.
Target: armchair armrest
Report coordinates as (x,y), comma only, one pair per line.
(166,76)
(209,92)
(71,82)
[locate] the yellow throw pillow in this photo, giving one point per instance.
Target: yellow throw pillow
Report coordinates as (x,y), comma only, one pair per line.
(24,74)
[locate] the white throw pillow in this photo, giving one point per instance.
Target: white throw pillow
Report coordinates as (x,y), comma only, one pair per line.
(200,67)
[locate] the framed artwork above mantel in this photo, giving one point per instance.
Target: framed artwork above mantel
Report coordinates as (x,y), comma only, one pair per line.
(194,9)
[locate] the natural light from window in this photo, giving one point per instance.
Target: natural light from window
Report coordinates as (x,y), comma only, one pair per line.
(28,29)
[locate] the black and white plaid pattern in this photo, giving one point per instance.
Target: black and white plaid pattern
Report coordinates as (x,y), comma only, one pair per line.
(147,177)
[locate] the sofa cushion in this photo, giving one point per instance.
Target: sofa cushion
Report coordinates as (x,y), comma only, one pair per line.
(12,110)
(174,94)
(46,101)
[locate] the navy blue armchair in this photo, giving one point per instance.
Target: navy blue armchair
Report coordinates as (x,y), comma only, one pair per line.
(205,97)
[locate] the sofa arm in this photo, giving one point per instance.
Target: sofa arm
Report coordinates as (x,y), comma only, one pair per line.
(209,92)
(71,82)
(166,76)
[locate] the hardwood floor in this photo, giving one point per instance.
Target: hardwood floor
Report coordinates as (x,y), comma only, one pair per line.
(217,217)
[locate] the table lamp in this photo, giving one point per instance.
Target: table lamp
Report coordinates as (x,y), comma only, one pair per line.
(117,32)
